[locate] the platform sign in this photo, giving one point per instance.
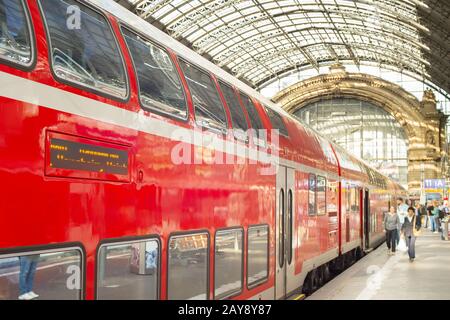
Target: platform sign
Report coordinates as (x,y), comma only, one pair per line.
(434,184)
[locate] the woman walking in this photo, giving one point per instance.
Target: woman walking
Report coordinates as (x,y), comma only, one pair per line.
(410,230)
(391,221)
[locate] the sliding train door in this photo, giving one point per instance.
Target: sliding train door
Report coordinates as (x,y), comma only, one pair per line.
(284,231)
(366,219)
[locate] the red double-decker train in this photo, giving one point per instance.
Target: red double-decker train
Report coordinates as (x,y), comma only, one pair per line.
(133,168)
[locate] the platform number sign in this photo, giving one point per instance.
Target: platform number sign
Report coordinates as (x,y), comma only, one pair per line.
(434,184)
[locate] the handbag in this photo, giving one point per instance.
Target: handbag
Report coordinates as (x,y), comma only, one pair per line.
(402,245)
(417,233)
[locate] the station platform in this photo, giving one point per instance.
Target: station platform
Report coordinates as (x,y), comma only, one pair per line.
(379,276)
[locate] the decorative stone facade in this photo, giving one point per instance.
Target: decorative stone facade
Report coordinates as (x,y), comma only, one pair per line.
(424,125)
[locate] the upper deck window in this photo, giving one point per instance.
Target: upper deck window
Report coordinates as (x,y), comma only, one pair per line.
(312,195)
(237,115)
(160,87)
(321,196)
(277,121)
(255,120)
(15,39)
(209,111)
(83,48)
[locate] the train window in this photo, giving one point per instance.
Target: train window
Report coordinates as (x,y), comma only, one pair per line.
(160,87)
(188,267)
(228,263)
(332,197)
(84,52)
(277,121)
(44,275)
(15,35)
(312,205)
(353,199)
(237,115)
(348,200)
(209,110)
(255,120)
(257,255)
(357,201)
(128,271)
(321,195)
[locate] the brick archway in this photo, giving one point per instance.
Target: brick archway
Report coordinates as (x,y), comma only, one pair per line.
(422,122)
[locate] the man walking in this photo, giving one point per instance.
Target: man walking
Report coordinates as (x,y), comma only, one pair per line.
(434,218)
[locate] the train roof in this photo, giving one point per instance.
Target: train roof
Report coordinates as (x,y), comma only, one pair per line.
(350,162)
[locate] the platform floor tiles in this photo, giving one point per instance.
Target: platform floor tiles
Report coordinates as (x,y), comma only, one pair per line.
(379,276)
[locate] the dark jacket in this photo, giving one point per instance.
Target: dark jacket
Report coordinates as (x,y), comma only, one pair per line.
(407,227)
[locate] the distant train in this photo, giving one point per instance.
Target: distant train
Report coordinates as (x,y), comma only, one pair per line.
(103,121)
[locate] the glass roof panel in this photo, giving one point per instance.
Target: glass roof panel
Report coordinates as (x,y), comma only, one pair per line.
(267,35)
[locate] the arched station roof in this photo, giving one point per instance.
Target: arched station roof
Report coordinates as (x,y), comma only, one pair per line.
(259,40)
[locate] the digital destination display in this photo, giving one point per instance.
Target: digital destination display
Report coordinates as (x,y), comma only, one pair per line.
(72,155)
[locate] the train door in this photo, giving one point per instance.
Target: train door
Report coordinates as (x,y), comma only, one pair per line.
(348,209)
(366,215)
(284,231)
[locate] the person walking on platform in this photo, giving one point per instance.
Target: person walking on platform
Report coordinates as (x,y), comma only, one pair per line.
(430,209)
(410,230)
(391,223)
(440,220)
(424,215)
(402,211)
(434,217)
(421,212)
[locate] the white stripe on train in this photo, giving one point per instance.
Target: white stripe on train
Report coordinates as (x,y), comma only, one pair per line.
(28,91)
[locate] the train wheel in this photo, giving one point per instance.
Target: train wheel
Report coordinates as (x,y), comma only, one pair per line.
(353,257)
(326,273)
(307,285)
(316,280)
(359,253)
(348,259)
(311,282)
(334,265)
(321,276)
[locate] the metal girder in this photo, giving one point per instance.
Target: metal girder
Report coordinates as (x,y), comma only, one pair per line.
(393,56)
(260,39)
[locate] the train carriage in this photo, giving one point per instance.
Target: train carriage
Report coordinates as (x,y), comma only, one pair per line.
(133,168)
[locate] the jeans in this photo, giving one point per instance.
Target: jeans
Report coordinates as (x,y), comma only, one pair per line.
(433,224)
(27,271)
(411,244)
(391,239)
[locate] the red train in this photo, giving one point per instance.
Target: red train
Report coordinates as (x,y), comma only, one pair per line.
(112,136)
